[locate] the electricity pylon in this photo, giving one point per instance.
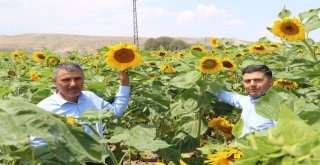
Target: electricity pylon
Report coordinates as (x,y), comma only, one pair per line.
(135,25)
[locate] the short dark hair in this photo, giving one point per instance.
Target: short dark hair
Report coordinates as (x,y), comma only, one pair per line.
(258,68)
(68,66)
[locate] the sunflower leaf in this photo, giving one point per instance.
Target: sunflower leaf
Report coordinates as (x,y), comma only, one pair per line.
(309,13)
(284,13)
(312,23)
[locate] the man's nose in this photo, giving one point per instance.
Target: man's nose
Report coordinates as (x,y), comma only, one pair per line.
(252,82)
(73,83)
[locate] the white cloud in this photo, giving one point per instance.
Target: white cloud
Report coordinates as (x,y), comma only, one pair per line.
(235,22)
(185,17)
(211,11)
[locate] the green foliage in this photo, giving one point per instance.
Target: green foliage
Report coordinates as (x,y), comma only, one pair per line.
(166,42)
(65,143)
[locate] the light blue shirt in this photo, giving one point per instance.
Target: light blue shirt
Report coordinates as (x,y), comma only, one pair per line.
(86,100)
(252,121)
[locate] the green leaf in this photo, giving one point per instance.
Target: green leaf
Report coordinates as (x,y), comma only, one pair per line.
(95,116)
(186,80)
(191,127)
(312,24)
(40,95)
(19,119)
(237,130)
(141,137)
(309,13)
(215,86)
(277,99)
(284,13)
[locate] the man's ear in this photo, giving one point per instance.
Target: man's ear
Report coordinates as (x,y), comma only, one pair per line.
(54,80)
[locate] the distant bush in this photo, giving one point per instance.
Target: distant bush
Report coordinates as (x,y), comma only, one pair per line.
(166,43)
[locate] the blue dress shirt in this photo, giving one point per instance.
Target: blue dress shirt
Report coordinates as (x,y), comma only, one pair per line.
(86,100)
(252,121)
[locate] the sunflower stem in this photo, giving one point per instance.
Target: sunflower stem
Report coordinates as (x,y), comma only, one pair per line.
(199,126)
(313,55)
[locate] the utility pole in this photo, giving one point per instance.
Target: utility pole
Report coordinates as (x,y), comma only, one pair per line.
(135,25)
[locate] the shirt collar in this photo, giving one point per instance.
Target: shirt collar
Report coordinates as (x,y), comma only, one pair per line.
(62,101)
(253,100)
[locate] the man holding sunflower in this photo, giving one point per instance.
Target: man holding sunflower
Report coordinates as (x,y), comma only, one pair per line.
(70,100)
(257,79)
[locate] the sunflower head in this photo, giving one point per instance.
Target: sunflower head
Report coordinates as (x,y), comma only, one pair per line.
(34,75)
(224,157)
(1,54)
(317,52)
(123,56)
(227,63)
(214,42)
(162,53)
(180,55)
(240,54)
(11,73)
(38,56)
(15,54)
(151,64)
(259,48)
(198,48)
(290,29)
(287,84)
(167,68)
(209,64)
(52,61)
(214,52)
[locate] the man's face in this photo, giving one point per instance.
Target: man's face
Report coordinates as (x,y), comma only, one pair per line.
(69,84)
(256,83)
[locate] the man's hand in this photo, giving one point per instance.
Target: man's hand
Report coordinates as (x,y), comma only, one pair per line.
(124,79)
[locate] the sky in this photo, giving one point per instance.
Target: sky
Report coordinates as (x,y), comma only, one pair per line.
(239,19)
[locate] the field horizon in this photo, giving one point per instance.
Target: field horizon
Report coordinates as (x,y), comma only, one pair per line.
(62,43)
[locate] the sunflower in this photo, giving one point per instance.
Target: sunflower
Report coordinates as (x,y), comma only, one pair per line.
(11,73)
(162,53)
(258,48)
(33,75)
(151,64)
(198,48)
(275,45)
(287,84)
(290,29)
(209,64)
(226,51)
(227,63)
(52,61)
(152,76)
(214,42)
(167,68)
(222,125)
(15,54)
(317,52)
(224,157)
(180,55)
(214,52)
(1,54)
(240,54)
(38,56)
(123,56)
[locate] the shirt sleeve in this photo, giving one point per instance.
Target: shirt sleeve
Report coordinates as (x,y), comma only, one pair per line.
(120,103)
(230,98)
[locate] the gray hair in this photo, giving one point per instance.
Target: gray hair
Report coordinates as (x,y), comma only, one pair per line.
(68,66)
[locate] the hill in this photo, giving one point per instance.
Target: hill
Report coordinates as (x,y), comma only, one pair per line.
(62,43)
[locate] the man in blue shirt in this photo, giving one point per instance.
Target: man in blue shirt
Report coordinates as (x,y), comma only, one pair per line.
(257,79)
(69,99)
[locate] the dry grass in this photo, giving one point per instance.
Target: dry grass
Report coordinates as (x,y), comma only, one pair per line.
(61,43)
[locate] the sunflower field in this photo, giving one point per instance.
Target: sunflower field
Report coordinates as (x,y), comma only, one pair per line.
(173,114)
